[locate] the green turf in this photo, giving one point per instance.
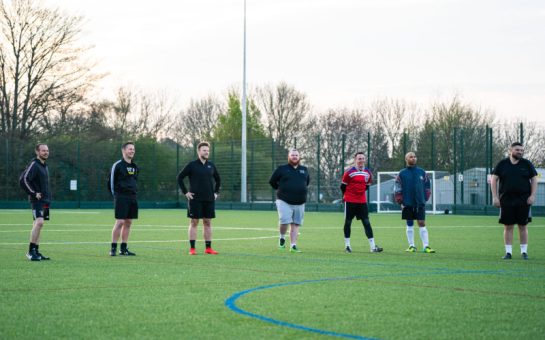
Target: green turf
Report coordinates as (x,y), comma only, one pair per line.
(464,291)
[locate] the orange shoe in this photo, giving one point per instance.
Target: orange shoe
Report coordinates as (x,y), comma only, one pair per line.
(210,251)
(192,251)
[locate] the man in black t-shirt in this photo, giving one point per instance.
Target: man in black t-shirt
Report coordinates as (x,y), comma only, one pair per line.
(291,184)
(204,187)
(517,191)
(122,185)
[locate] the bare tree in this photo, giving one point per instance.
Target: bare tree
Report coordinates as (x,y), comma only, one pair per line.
(41,71)
(199,120)
(138,114)
(533,138)
(286,111)
(393,117)
(334,129)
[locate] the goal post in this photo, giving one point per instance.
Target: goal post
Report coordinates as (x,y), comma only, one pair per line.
(385,193)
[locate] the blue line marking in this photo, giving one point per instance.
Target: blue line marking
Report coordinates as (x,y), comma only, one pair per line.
(231,301)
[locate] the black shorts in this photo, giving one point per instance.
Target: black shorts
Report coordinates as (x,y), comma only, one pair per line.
(126,208)
(201,209)
(357,210)
(40,210)
(413,213)
(518,214)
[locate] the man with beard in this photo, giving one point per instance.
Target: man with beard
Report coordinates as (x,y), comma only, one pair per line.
(412,191)
(517,193)
(204,188)
(290,182)
(122,184)
(35,181)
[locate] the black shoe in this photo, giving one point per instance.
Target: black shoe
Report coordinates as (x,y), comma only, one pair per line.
(126,252)
(42,256)
(524,256)
(507,256)
(33,255)
(377,249)
(348,249)
(112,252)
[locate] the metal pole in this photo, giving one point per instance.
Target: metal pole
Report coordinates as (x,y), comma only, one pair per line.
(272,168)
(454,180)
(243,146)
(77,174)
(177,170)
(462,166)
(522,133)
(487,169)
(433,150)
(318,169)
(343,152)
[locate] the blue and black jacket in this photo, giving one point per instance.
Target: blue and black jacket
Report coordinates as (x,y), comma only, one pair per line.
(412,187)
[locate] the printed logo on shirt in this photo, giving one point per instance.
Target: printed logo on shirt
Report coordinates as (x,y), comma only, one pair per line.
(302,171)
(131,170)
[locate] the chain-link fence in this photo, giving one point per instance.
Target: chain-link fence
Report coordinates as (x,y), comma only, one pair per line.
(79,169)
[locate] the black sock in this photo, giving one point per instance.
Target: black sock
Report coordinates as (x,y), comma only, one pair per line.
(208,244)
(114,245)
(192,243)
(32,246)
(368,229)
(347,228)
(123,246)
(282,241)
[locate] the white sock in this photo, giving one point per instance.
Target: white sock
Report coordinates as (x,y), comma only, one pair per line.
(509,248)
(283,236)
(424,236)
(372,243)
(523,248)
(293,245)
(347,241)
(410,235)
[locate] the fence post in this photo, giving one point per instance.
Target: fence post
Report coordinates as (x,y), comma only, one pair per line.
(433,150)
(233,194)
(272,167)
(369,149)
(491,147)
(318,169)
(462,165)
(78,191)
(252,170)
(404,147)
(454,170)
(176,172)
(487,169)
(343,152)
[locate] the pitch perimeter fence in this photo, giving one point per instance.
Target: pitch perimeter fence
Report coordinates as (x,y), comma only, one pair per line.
(79,169)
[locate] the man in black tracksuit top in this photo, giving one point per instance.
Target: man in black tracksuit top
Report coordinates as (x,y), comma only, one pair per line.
(122,185)
(35,182)
(290,182)
(204,186)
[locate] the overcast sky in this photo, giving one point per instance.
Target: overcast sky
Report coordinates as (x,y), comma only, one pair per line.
(341,53)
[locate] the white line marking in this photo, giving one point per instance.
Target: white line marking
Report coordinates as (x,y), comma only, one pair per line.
(146,241)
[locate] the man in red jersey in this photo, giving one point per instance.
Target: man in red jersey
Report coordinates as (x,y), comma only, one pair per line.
(354,184)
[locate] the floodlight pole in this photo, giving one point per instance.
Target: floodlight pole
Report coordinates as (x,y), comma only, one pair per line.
(243,176)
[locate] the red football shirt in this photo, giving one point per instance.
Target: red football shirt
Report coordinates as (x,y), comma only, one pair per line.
(356,183)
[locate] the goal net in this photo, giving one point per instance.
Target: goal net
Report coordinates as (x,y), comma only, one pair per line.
(384,193)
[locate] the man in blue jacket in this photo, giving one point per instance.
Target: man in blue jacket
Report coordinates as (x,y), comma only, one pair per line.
(412,191)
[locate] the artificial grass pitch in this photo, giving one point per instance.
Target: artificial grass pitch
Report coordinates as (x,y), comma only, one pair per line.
(254,290)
